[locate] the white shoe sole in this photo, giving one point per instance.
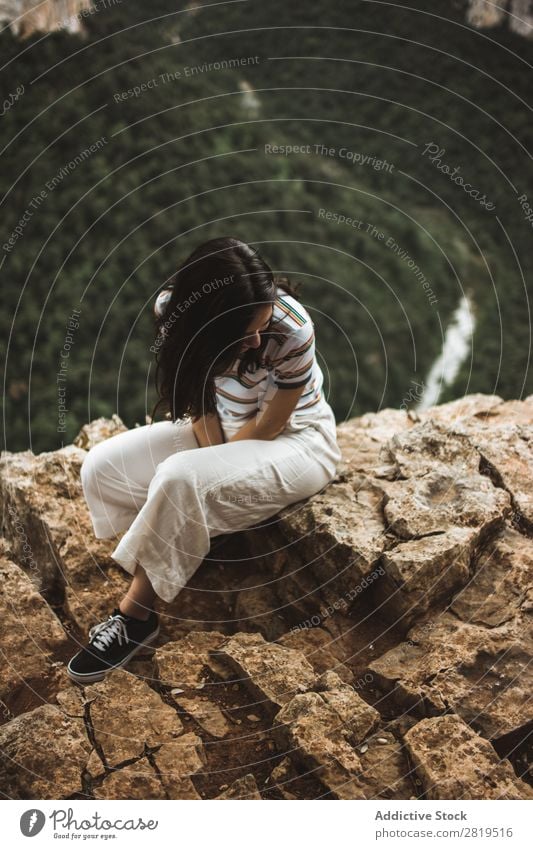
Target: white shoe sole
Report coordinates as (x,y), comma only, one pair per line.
(91,677)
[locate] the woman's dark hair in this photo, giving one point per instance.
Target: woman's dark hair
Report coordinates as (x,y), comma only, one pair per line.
(216,294)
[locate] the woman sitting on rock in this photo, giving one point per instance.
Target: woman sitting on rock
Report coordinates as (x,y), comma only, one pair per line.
(248,432)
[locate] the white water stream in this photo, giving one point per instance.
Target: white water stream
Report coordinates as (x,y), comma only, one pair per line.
(455,350)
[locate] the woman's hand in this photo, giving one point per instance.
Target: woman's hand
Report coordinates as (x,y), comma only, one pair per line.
(273,419)
(208,431)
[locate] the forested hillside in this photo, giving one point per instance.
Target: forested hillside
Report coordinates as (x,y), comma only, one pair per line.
(166,125)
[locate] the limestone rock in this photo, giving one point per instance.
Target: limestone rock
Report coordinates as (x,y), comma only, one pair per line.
(427,521)
(98,430)
(142,665)
(181,663)
(483,15)
(484,675)
(385,771)
(328,544)
(242,788)
(28,17)
(257,608)
(44,753)
(507,412)
(314,733)
(363,441)
(206,714)
(504,441)
(360,636)
(122,727)
(95,768)
(31,633)
(320,649)
(42,495)
(453,762)
(442,498)
(176,761)
(476,407)
(321,730)
(340,533)
(442,511)
(508,455)
(284,778)
(94,587)
(498,590)
(165,776)
(440,485)
(206,603)
(518,16)
(135,781)
(420,573)
(424,484)
(429,446)
(71,700)
(271,672)
(357,717)
(297,590)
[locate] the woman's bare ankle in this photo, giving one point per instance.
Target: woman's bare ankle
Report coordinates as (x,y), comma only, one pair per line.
(129,607)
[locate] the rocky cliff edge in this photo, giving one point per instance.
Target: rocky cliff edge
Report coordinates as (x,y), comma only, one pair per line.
(372,642)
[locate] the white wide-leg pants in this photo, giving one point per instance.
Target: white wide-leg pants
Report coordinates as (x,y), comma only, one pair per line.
(171,496)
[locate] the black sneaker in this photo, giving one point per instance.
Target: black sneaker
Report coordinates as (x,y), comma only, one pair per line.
(111,644)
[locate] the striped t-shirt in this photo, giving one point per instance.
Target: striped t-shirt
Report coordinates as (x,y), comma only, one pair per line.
(288,361)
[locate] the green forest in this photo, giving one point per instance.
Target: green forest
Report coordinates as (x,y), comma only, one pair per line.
(330,136)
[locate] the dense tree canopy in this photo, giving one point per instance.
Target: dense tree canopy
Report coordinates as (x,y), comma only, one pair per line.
(127,147)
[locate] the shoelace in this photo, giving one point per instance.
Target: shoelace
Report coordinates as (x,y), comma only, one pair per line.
(106,632)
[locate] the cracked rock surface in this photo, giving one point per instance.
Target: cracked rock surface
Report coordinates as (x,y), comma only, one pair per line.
(373,641)
(454,763)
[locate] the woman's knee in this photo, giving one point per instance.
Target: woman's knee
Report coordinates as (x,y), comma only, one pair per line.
(91,460)
(103,460)
(91,463)
(171,472)
(187,472)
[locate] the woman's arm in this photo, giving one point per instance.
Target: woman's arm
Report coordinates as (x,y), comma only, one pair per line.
(273,419)
(207,430)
